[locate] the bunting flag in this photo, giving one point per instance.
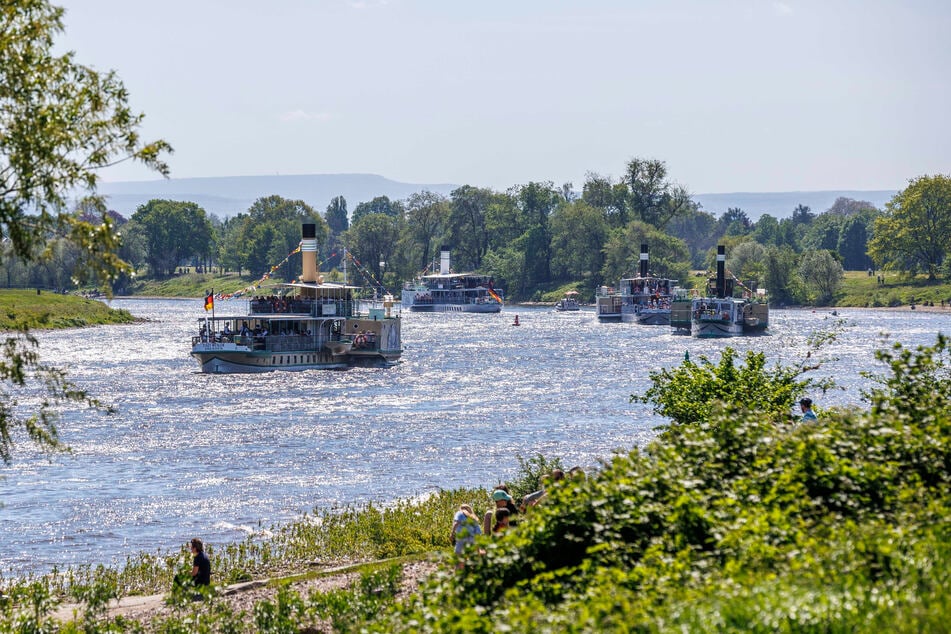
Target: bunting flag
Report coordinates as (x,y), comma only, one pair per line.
(210,301)
(494,295)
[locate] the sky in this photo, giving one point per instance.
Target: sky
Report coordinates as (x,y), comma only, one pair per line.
(733,95)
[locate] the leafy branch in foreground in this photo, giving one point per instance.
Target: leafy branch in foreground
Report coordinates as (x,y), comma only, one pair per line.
(916,375)
(60,123)
(691,391)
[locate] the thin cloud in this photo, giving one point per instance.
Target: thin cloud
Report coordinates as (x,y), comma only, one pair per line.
(303,115)
(367,4)
(782,8)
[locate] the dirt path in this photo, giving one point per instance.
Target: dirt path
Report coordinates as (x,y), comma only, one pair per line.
(243,596)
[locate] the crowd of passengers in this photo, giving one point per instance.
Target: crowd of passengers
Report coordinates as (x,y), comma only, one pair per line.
(257,334)
(278,304)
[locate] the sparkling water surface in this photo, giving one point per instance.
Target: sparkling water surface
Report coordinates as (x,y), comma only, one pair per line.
(220,456)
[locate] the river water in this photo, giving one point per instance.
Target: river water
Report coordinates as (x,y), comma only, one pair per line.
(219,456)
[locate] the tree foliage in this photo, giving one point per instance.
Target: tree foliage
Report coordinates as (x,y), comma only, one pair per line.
(172,231)
(272,230)
(426,217)
(654,199)
(373,240)
(336,216)
(60,123)
(689,393)
(821,273)
(739,521)
(915,229)
(668,256)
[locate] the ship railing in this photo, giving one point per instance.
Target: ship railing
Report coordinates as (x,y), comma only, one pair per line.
(294,343)
(461,301)
(218,337)
(302,306)
(378,308)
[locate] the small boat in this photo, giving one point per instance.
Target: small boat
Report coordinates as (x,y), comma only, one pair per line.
(446,292)
(568,303)
(303,325)
(720,314)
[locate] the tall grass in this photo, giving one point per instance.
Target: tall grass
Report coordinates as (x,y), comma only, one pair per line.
(51,310)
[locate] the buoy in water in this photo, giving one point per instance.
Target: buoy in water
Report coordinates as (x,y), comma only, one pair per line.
(515,323)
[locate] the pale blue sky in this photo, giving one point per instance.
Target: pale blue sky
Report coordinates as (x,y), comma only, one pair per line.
(735,95)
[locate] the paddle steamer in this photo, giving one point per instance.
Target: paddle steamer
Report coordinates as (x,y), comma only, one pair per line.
(305,325)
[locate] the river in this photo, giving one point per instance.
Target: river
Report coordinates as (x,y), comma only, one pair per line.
(218,456)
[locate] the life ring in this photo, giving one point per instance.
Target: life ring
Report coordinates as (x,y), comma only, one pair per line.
(726,316)
(359,341)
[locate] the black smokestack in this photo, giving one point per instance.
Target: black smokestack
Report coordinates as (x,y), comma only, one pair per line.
(643,260)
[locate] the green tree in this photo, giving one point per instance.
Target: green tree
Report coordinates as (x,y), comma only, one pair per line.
(468,233)
(802,215)
(652,197)
(173,232)
(579,232)
(689,393)
(668,255)
(336,216)
(231,256)
(853,242)
(426,216)
(734,222)
(60,123)
(766,231)
(272,230)
(823,233)
(536,201)
(782,279)
(611,198)
(747,261)
(698,229)
(822,274)
(379,205)
(338,222)
(373,239)
(915,229)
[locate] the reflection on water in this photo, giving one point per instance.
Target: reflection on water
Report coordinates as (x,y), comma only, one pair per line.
(221,455)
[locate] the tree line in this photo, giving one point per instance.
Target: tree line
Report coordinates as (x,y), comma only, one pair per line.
(535,237)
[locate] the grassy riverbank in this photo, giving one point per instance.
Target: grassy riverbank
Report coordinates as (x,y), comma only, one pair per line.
(53,311)
(861,290)
(191,284)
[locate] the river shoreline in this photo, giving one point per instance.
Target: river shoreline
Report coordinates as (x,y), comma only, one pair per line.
(816,309)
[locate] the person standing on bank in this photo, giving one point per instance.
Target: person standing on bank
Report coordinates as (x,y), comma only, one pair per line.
(201,566)
(805,404)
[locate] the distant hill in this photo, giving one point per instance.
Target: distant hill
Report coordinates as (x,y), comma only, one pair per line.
(229,195)
(781,204)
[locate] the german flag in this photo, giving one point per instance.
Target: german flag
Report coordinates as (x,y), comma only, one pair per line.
(495,295)
(210,301)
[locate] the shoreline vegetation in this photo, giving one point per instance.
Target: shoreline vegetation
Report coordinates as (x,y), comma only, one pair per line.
(50,310)
(736,518)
